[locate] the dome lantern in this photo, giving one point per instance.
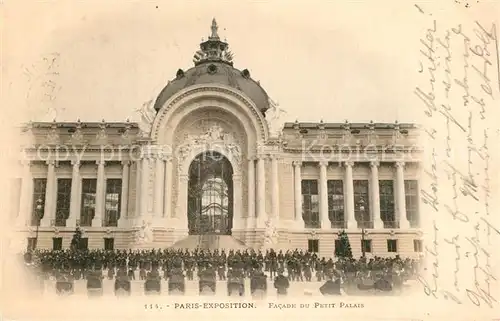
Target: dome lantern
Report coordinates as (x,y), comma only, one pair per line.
(213,64)
(214,49)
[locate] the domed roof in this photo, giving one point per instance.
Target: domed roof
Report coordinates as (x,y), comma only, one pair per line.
(214,65)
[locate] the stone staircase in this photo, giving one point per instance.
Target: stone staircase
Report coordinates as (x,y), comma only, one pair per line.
(210,242)
(229,242)
(191,242)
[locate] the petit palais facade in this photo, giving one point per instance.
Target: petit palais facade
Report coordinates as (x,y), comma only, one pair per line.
(207,166)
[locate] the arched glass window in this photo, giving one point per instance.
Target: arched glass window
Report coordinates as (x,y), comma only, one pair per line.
(210,195)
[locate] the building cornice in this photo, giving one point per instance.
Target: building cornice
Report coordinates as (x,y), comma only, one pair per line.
(321,125)
(69,125)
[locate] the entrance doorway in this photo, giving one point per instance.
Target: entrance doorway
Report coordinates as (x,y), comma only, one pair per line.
(210,195)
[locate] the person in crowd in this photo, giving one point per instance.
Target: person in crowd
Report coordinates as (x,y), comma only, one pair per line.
(122,284)
(176,279)
(221,268)
(295,265)
(307,272)
(236,281)
(331,287)
(281,284)
(152,285)
(207,277)
(258,284)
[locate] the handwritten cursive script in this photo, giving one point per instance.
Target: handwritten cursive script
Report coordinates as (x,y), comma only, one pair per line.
(458,92)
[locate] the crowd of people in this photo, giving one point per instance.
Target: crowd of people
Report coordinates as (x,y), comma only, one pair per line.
(207,266)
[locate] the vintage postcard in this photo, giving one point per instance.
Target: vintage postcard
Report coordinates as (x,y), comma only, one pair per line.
(242,160)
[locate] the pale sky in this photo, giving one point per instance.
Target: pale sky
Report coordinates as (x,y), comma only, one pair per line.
(319,60)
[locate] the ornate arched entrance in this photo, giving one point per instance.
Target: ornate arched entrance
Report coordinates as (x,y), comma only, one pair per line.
(210,194)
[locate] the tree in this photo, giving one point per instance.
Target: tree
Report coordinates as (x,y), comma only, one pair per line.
(76,241)
(344,248)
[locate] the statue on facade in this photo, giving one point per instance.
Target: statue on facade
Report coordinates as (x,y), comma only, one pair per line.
(346,135)
(102,136)
(234,151)
(53,135)
(147,116)
(270,234)
(145,233)
(273,118)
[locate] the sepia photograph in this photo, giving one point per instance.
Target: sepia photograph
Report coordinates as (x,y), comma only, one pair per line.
(319,159)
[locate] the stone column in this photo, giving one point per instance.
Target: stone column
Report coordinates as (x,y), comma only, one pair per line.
(124,200)
(50,195)
(26,201)
(323,198)
(275,191)
(375,196)
(137,189)
(251,193)
(75,193)
(144,211)
(238,215)
(158,186)
(261,192)
(182,199)
(167,190)
(100,195)
(349,196)
(401,197)
(297,168)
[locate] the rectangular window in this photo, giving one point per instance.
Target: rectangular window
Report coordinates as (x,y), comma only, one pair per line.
(109,243)
(366,245)
(417,245)
(310,204)
(15,197)
(31,243)
(38,209)
(313,246)
(387,207)
(113,202)
(362,204)
(392,246)
(63,200)
(411,197)
(336,203)
(337,245)
(57,243)
(84,245)
(87,212)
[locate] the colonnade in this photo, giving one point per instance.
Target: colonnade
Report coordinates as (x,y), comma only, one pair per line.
(256,215)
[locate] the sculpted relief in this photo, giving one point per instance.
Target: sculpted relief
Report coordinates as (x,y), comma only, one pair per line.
(145,233)
(208,134)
